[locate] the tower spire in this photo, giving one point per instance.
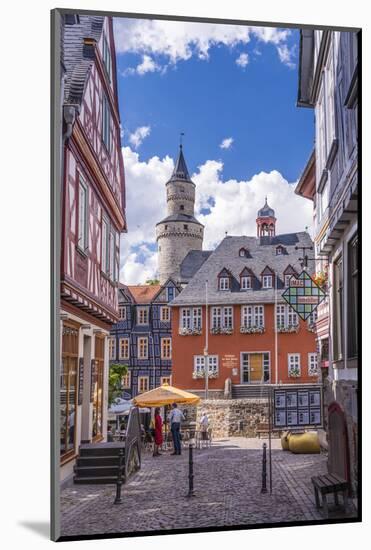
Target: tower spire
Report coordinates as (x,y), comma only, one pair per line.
(180,171)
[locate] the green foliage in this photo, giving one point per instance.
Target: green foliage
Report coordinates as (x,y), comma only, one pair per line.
(152,282)
(116,372)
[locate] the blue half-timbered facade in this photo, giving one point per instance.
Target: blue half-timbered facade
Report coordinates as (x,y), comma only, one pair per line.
(142,337)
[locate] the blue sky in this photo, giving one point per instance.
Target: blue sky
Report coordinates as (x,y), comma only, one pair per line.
(215,83)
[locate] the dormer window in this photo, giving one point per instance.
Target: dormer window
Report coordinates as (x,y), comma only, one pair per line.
(243,253)
(288,273)
(287,280)
(280,250)
(246,283)
(224,283)
(267,281)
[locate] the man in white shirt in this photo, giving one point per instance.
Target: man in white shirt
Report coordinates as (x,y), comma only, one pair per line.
(176,416)
(204,425)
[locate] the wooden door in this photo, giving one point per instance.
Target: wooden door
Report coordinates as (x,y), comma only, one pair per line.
(256,367)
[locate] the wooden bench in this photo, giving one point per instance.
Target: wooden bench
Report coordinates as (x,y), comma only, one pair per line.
(330,483)
(262,428)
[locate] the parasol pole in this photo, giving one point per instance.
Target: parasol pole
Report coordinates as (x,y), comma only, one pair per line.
(206,351)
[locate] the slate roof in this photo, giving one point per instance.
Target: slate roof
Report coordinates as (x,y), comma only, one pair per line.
(180,171)
(77,56)
(192,263)
(226,255)
(180,218)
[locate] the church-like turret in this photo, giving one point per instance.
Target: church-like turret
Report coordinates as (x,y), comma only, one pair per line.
(266,221)
(179,232)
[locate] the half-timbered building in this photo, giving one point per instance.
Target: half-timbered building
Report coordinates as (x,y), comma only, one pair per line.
(142,338)
(93,216)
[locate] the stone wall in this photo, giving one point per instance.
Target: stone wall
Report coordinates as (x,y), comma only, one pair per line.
(231,417)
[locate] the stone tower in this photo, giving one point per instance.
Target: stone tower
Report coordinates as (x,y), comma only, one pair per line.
(179,232)
(266,221)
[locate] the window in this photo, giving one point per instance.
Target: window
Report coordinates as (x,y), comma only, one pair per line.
(143,384)
(185,318)
(112,348)
(165,348)
(294,369)
(185,226)
(278,250)
(338,309)
(353,298)
(165,380)
(170,293)
(199,365)
(83,216)
(330,101)
(287,280)
(312,364)
(106,58)
(97,383)
(111,255)
(246,283)
(197,317)
(124,344)
(182,207)
(286,316)
(143,348)
(228,317)
(68,389)
(224,283)
(267,281)
(312,318)
(165,314)
(126,380)
(216,317)
(252,316)
(122,313)
(106,123)
(104,264)
(142,315)
(243,253)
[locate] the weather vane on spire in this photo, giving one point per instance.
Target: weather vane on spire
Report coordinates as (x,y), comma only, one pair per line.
(181,140)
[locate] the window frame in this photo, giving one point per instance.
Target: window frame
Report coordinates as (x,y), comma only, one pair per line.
(112,348)
(121,310)
(106,58)
(144,339)
(311,356)
(264,278)
(246,279)
(106,123)
(142,378)
(294,363)
(352,298)
(166,348)
(167,317)
(224,283)
(127,376)
(199,364)
(85,226)
(121,341)
(142,311)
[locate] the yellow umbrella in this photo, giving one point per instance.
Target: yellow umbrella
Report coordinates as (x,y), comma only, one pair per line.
(165,395)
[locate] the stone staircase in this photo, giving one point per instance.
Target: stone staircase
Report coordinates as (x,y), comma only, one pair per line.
(249,391)
(98,463)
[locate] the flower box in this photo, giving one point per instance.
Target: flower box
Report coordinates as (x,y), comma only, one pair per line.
(221,330)
(190,331)
(252,330)
(201,374)
(294,372)
(289,329)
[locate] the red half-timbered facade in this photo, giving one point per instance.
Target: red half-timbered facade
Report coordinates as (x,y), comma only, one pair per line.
(93,217)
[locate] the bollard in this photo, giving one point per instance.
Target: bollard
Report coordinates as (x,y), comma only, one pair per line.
(118,499)
(264,469)
(190,469)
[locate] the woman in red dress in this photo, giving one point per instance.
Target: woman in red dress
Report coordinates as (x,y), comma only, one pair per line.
(158,432)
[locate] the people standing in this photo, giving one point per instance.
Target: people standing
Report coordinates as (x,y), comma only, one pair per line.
(158,432)
(204,426)
(176,416)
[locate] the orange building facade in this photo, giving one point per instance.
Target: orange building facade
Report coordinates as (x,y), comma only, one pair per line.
(244,358)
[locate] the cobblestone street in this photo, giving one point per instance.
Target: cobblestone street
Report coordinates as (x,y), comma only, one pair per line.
(227,485)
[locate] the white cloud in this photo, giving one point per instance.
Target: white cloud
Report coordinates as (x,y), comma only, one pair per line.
(226,143)
(137,137)
(242,60)
(178,40)
(233,208)
(286,55)
(148,65)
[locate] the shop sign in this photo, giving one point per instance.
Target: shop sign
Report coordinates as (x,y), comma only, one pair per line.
(303,295)
(230,361)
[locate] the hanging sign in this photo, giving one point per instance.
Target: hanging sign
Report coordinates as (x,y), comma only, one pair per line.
(81,380)
(303,295)
(297,408)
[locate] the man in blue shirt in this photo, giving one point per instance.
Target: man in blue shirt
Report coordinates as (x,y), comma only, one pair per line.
(176,416)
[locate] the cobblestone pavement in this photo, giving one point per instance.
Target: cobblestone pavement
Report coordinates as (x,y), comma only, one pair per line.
(227,486)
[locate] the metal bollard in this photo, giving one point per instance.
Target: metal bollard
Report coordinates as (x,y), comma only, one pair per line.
(190,469)
(264,469)
(118,499)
